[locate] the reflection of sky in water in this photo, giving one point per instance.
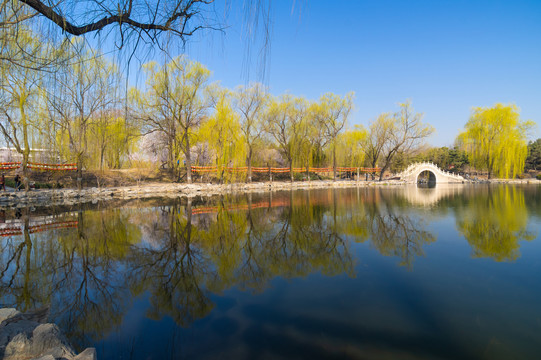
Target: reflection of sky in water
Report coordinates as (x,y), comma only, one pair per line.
(387,273)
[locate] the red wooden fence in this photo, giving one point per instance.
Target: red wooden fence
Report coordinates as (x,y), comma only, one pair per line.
(275,170)
(39,166)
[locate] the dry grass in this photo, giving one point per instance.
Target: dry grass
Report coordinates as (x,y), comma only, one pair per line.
(97,178)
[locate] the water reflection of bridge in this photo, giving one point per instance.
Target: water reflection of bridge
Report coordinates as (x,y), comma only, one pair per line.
(430,196)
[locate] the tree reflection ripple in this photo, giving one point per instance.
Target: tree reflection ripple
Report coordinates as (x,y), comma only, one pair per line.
(89,264)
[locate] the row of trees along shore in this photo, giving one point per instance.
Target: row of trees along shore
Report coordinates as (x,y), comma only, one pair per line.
(77,107)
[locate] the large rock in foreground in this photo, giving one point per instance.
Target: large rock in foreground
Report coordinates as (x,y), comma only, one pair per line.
(26,336)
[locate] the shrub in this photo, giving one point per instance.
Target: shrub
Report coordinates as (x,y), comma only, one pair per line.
(538,176)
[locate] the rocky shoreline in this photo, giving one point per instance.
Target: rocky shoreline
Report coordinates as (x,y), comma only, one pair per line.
(173,190)
(29,336)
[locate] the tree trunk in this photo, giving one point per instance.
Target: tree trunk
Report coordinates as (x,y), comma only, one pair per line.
(171,154)
(388,159)
(249,164)
(291,170)
(79,174)
(24,166)
(102,153)
(334,161)
(489,166)
(382,171)
(188,157)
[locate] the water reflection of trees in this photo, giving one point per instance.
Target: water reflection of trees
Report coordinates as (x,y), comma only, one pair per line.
(88,285)
(192,256)
(391,229)
(18,271)
(174,269)
(493,220)
(399,235)
(71,270)
(178,255)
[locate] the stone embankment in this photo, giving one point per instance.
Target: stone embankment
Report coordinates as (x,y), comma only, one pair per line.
(513,181)
(154,190)
(27,336)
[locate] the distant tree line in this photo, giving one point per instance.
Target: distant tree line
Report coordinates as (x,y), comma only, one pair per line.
(77,107)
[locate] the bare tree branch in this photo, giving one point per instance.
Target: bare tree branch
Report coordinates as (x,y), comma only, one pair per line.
(174,21)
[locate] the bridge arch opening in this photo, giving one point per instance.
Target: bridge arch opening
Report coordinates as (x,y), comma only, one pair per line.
(426,178)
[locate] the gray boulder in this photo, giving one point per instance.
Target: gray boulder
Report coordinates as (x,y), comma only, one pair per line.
(26,336)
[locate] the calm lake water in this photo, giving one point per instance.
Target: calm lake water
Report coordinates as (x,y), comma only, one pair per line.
(451,272)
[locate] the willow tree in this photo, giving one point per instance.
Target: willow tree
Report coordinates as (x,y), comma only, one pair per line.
(174,104)
(250,102)
(495,140)
(316,140)
(332,117)
(350,150)
(286,122)
(221,132)
(113,137)
(79,93)
(13,36)
(380,131)
(20,91)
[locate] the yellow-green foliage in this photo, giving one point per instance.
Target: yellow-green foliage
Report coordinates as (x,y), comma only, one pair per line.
(19,88)
(83,98)
(287,122)
(113,140)
(105,235)
(173,104)
(495,223)
(63,146)
(222,134)
(495,140)
(351,143)
(251,103)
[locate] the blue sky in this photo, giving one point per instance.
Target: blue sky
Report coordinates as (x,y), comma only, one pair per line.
(445,56)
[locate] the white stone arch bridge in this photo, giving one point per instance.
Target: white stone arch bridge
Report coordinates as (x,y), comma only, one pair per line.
(411,174)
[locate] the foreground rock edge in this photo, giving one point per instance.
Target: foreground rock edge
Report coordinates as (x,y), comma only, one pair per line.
(28,336)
